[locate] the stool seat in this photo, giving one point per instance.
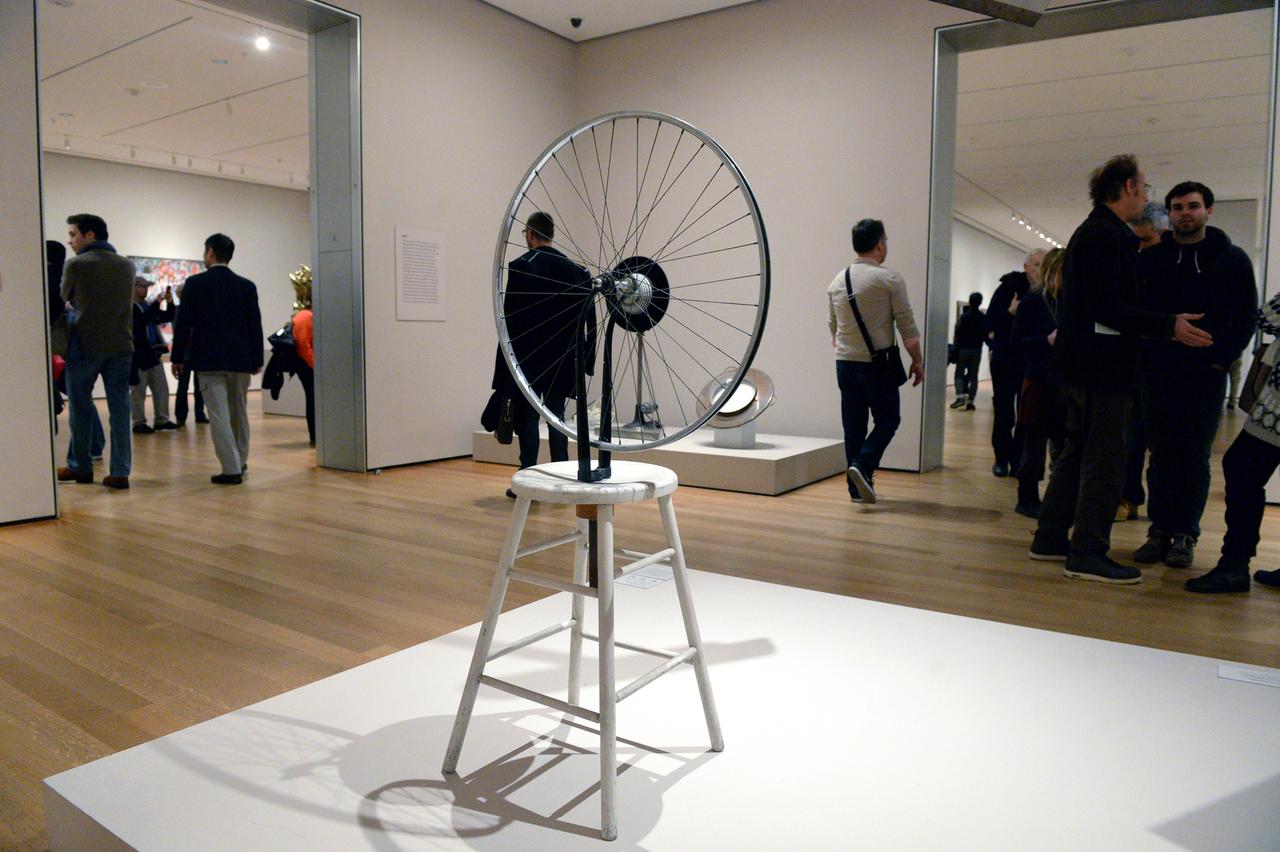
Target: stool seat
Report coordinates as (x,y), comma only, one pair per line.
(557,482)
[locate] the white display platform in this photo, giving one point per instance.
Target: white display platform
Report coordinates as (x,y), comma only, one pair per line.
(849,725)
(292,401)
(776,464)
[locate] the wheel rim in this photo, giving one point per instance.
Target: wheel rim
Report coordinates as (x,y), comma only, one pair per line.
(671,238)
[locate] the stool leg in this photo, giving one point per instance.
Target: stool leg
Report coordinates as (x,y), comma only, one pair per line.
(608,692)
(485,640)
(668,511)
(575,632)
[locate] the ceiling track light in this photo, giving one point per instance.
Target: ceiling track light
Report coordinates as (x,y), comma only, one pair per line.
(262,42)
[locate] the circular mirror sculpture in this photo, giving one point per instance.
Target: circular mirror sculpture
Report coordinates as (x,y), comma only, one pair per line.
(674,278)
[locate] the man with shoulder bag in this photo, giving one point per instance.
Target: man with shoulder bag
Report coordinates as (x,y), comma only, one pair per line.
(864,303)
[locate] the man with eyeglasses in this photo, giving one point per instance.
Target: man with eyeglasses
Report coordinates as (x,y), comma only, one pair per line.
(1095,356)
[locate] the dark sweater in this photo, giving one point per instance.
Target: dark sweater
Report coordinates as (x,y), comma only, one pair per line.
(144,317)
(999,320)
(99,284)
(971,328)
(1100,319)
(1212,277)
(1032,326)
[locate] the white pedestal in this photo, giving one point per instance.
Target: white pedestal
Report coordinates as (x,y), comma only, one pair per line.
(775,464)
(738,438)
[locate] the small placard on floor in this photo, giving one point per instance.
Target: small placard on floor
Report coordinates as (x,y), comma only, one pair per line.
(1228,672)
(647,578)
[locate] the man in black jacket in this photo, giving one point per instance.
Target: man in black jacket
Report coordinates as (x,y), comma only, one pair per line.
(543,305)
(1095,356)
(1006,366)
(1194,269)
(967,338)
(219,334)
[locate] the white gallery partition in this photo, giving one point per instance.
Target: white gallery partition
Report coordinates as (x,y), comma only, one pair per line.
(26,424)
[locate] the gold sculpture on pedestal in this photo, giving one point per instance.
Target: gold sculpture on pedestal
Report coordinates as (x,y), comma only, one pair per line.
(301,279)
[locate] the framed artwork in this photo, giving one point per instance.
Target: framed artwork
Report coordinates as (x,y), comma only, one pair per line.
(165,272)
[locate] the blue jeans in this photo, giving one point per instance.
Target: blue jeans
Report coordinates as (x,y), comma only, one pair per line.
(82,372)
(865,390)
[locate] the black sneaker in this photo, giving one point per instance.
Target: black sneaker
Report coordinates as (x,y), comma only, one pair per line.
(226,479)
(1182,549)
(1100,568)
(959,403)
(511,494)
(970,407)
(1155,550)
(1030,510)
(1044,551)
(166,426)
(1000,469)
(862,483)
(142,429)
(1222,579)
(1268,578)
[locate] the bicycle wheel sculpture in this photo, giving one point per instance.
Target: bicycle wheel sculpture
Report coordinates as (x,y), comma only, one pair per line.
(674,282)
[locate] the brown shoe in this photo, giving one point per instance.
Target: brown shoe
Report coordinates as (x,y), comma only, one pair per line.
(120,483)
(66,474)
(1127,511)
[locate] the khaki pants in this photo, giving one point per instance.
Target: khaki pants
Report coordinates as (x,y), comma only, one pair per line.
(225,401)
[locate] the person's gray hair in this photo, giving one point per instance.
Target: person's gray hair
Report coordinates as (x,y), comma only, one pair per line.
(1155,215)
(1033,253)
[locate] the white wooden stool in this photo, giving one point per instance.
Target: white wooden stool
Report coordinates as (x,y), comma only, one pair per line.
(630,482)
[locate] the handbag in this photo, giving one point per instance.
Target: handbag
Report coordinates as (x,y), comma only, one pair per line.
(1264,362)
(887,361)
(498,417)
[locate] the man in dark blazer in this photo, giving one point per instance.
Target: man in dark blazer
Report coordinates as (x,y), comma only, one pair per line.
(545,295)
(218,333)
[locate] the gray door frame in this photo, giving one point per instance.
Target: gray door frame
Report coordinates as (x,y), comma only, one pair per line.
(337,231)
(949,43)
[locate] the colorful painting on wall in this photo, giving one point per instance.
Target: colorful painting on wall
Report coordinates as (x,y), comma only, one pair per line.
(165,273)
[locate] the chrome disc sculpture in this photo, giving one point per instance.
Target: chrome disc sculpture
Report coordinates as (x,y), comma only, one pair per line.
(677,279)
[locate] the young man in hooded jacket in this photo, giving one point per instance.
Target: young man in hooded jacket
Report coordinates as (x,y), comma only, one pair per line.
(1194,269)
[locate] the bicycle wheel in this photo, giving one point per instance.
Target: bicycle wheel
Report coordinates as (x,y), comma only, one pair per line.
(673,281)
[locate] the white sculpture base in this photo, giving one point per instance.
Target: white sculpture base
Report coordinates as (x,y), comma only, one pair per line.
(738,438)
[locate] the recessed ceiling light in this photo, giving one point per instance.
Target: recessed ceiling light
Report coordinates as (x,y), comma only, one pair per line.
(66,115)
(262,42)
(152,84)
(218,60)
(66,4)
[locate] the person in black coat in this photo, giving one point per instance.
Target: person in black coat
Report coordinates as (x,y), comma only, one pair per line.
(969,334)
(1194,269)
(1095,356)
(218,334)
(1034,332)
(1006,368)
(546,293)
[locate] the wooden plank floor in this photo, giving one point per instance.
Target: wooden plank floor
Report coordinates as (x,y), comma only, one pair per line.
(138,613)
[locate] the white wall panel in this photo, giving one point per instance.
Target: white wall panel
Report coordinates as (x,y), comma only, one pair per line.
(826,107)
(26,428)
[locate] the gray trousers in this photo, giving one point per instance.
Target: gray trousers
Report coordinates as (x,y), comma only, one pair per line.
(153,378)
(225,401)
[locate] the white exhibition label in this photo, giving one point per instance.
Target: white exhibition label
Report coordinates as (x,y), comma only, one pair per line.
(419,276)
(1240,673)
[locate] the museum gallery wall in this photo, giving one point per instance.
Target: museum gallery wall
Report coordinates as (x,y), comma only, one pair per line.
(159,213)
(826,105)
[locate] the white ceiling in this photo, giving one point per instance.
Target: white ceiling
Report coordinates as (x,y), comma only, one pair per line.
(605,17)
(1189,98)
(170,82)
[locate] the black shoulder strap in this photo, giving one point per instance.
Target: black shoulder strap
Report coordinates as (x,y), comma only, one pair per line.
(857,314)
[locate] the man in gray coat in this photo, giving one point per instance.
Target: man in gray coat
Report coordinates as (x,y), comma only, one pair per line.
(99,285)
